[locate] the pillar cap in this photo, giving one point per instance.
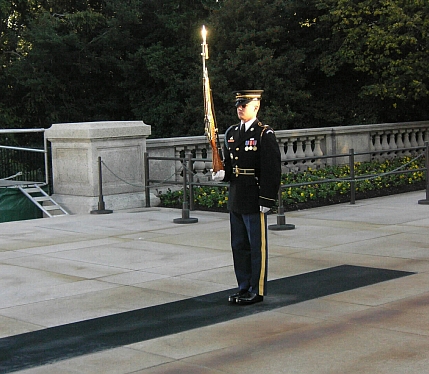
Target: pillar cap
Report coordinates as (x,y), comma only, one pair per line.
(98,130)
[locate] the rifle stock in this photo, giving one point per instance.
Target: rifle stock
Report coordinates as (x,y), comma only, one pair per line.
(216,157)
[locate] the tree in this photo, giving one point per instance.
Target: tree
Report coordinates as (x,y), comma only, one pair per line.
(109,60)
(320,62)
(166,88)
(276,46)
(15,16)
(386,41)
(70,70)
(254,46)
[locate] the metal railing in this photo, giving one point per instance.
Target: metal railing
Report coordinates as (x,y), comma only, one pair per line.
(188,181)
(352,179)
(23,163)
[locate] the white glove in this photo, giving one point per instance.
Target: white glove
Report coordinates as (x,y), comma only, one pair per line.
(218,176)
(264,209)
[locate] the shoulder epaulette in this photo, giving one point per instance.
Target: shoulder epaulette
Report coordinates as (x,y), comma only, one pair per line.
(265,128)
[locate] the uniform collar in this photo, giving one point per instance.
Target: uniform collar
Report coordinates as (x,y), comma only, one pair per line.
(249,123)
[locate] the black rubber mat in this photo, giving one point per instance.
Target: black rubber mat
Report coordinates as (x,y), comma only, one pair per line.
(58,343)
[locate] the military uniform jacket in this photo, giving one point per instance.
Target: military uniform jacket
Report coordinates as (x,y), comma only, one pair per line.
(257,150)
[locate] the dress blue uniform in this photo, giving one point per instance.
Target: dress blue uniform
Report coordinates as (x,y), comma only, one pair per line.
(252,168)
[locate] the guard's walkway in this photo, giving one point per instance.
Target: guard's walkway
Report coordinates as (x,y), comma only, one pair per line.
(76,268)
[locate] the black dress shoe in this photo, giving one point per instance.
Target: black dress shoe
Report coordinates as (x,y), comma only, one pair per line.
(233,298)
(249,298)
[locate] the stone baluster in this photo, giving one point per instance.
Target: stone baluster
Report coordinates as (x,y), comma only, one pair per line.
(392,143)
(300,153)
(179,152)
(377,146)
(290,154)
(413,140)
(371,145)
(199,166)
(400,142)
(318,151)
(420,140)
(384,142)
(384,145)
(208,163)
(309,151)
(407,143)
(425,136)
(284,167)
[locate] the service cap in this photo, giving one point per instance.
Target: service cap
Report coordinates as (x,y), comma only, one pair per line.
(246,96)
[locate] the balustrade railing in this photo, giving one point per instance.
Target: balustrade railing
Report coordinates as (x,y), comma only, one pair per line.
(300,149)
(395,140)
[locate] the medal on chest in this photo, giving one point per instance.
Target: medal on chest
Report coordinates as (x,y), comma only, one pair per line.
(251,145)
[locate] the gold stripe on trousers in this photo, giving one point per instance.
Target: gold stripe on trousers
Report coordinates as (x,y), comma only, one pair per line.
(261,285)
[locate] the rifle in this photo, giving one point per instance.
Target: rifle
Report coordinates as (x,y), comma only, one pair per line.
(210,125)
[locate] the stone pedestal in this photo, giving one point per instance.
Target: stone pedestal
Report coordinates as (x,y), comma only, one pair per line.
(75,151)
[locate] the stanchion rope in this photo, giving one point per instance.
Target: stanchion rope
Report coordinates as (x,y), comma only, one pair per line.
(379,175)
(139,185)
(184,167)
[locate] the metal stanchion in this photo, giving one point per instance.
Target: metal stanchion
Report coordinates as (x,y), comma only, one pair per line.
(281,218)
(185,207)
(101,206)
(352,176)
(146,179)
(426,201)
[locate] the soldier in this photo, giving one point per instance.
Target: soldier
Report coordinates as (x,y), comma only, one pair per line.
(252,168)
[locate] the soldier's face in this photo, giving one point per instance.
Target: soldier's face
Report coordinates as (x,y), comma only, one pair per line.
(248,111)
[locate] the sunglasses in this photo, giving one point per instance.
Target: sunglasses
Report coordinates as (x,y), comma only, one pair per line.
(242,105)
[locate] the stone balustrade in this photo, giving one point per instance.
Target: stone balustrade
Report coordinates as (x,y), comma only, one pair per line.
(381,140)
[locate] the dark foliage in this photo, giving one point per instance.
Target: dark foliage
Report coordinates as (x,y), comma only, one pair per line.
(320,62)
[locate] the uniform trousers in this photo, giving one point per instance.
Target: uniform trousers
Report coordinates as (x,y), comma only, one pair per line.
(250,250)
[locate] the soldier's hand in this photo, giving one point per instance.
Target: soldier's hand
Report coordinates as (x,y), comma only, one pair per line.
(218,176)
(264,209)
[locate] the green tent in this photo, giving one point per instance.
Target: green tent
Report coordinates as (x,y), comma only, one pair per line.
(15,206)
